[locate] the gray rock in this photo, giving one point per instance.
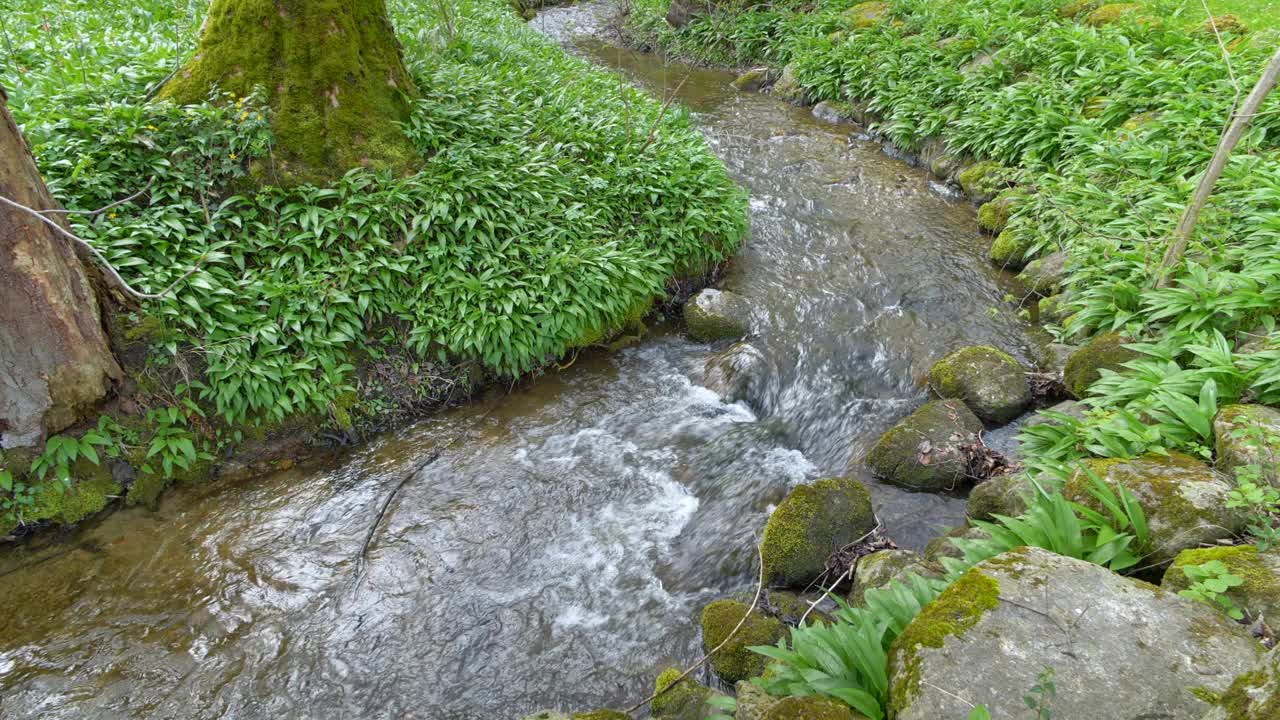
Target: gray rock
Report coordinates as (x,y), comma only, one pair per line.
(880,568)
(753,701)
(1183,499)
(942,547)
(714,315)
(1248,435)
(1120,649)
(924,450)
(789,88)
(1254,695)
(989,381)
(827,111)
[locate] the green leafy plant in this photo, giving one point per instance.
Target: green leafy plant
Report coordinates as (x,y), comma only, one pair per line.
(724,707)
(1210,581)
(1041,695)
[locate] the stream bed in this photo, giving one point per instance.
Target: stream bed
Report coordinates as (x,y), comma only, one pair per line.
(559,550)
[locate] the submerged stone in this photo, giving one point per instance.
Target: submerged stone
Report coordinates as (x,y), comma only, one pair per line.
(752,80)
(1184,500)
(712,315)
(734,661)
(831,112)
(923,451)
(1113,643)
(989,381)
(739,373)
(813,521)
(1085,366)
(1248,435)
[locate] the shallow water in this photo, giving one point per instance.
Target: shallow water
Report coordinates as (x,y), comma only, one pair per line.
(558,551)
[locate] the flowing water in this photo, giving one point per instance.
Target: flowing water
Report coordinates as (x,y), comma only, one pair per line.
(558,551)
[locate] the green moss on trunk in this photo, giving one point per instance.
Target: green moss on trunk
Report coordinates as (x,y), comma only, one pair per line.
(333,75)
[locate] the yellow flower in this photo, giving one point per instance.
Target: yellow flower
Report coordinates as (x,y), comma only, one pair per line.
(244,115)
(232,156)
(152,127)
(111,215)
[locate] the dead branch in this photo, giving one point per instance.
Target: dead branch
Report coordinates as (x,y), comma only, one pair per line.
(112,274)
(1187,225)
(363,557)
(99,211)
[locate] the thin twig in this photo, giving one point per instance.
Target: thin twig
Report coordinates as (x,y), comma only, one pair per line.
(363,557)
(666,105)
(754,601)
(1226,59)
(112,273)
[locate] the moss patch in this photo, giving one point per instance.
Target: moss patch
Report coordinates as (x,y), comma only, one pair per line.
(1110,13)
(1103,352)
(1260,591)
(685,700)
(812,707)
(921,452)
(982,180)
(994,215)
(601,715)
(334,78)
(951,614)
(865,14)
(734,661)
(1010,248)
(90,493)
(989,382)
(812,522)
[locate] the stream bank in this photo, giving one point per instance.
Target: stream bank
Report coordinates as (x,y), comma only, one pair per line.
(558,551)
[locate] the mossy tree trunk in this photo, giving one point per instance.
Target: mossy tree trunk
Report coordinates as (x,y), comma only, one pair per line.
(55,359)
(332,71)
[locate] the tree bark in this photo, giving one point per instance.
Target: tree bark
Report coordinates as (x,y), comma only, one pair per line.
(333,74)
(55,359)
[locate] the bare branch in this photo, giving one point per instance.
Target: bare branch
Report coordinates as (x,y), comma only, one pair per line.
(99,211)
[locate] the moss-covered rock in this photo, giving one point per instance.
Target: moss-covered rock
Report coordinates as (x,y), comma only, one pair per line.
(712,315)
(753,701)
(788,87)
(1184,500)
(752,80)
(1010,248)
(1248,435)
(813,521)
(92,489)
(923,451)
(989,382)
(1104,352)
(1113,642)
(865,14)
(880,568)
(994,215)
(811,707)
(1076,8)
(1111,12)
(686,701)
(832,111)
(982,180)
(1044,276)
(790,607)
(1260,571)
(942,547)
(1254,695)
(1223,25)
(334,78)
(734,661)
(1000,495)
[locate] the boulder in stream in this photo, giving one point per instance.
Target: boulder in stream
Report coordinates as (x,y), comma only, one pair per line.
(925,451)
(712,315)
(686,701)
(752,80)
(989,382)
(1010,249)
(813,521)
(882,567)
(1184,500)
(999,495)
(994,215)
(739,373)
(1119,648)
(1104,352)
(734,661)
(1248,435)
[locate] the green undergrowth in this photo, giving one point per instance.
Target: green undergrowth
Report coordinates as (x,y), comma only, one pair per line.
(546,215)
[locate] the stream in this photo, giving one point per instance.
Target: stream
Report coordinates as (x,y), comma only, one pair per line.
(558,552)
